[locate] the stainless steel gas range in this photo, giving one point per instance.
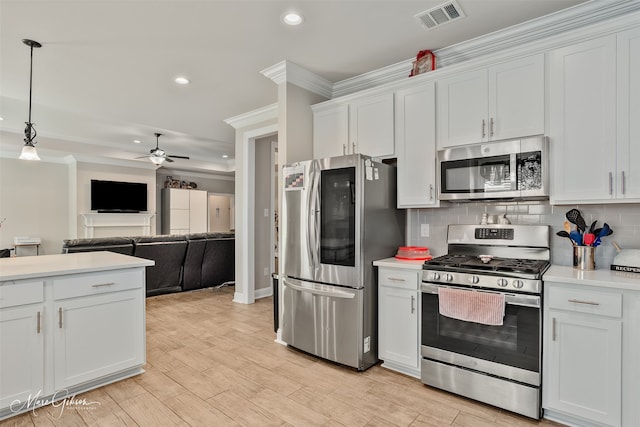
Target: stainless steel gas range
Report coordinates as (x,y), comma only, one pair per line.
(482,317)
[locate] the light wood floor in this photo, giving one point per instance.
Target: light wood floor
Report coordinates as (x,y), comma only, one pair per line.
(211,362)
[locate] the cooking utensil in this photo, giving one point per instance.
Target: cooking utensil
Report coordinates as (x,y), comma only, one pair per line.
(575,217)
(588,238)
(567,226)
(563,233)
(603,232)
(593,226)
(576,237)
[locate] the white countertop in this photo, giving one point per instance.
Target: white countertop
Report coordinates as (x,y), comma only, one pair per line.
(399,263)
(602,277)
(29,267)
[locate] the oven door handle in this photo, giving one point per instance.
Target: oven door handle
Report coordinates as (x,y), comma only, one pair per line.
(513,299)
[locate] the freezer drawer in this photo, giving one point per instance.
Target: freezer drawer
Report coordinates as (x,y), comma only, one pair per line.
(324,320)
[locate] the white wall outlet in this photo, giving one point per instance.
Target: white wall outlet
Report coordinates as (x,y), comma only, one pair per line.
(367,344)
(424,230)
(266,271)
(266,213)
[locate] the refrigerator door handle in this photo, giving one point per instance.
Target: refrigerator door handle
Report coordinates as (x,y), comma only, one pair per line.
(314,223)
(334,293)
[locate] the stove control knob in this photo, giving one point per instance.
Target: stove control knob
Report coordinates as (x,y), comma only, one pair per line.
(448,277)
(503,282)
(518,284)
(474,279)
(435,276)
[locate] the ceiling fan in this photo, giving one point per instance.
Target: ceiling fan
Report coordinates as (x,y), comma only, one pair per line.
(158,155)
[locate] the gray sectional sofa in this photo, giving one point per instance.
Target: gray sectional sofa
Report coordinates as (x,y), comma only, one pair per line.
(182,262)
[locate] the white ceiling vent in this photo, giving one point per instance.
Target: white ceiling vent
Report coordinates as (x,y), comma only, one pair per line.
(440,15)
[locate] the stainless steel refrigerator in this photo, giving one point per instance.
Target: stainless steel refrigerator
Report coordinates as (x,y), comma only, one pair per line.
(339,215)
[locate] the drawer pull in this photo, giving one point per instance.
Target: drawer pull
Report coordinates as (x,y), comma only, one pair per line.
(395,279)
(60,317)
(553,329)
(100,285)
(584,302)
(38,325)
(413,307)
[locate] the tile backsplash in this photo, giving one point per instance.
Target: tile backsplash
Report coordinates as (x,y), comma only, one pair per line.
(624,219)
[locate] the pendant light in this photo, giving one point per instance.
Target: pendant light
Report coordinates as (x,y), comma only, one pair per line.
(29,150)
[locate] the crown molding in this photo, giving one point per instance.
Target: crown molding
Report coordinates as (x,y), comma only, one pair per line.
(555,24)
(289,72)
(269,112)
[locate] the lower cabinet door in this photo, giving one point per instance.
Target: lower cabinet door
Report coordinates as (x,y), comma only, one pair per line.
(584,372)
(22,356)
(97,336)
(398,326)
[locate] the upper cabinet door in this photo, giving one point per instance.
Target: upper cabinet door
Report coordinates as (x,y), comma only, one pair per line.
(416,146)
(331,131)
(582,121)
(628,171)
(499,102)
(371,129)
(516,98)
(462,109)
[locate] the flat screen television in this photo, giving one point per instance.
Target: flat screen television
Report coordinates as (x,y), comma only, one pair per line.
(116,196)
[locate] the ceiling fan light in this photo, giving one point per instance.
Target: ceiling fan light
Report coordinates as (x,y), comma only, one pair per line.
(29,153)
(156,160)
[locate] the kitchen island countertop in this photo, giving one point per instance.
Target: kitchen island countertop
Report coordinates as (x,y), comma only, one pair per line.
(30,267)
(600,277)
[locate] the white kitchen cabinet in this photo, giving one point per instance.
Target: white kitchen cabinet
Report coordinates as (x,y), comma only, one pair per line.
(364,125)
(371,126)
(98,325)
(331,131)
(184,211)
(416,146)
(399,319)
(582,121)
(71,330)
(628,116)
(499,102)
(583,353)
(21,341)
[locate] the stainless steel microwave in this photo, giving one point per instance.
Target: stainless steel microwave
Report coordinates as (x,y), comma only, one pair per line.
(510,169)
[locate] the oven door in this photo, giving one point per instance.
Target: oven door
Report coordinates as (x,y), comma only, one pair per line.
(510,351)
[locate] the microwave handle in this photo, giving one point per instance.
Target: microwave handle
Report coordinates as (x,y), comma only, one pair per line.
(513,171)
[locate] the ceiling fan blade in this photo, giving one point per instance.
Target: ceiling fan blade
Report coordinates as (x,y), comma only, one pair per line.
(143,157)
(167,159)
(178,157)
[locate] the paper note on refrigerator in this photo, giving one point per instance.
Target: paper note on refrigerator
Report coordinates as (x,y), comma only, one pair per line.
(293,177)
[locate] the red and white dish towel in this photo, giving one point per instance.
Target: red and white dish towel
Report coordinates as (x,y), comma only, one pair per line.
(472,306)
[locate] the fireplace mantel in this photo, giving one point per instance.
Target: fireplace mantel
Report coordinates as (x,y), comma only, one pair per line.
(139,221)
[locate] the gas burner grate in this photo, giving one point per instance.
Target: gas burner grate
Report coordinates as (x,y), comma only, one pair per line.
(470,264)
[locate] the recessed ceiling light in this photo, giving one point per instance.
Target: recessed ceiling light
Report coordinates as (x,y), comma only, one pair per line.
(292,18)
(1,119)
(136,141)
(182,80)
(224,156)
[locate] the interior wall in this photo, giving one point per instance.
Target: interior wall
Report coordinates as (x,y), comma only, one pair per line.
(88,171)
(262,224)
(624,219)
(34,201)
